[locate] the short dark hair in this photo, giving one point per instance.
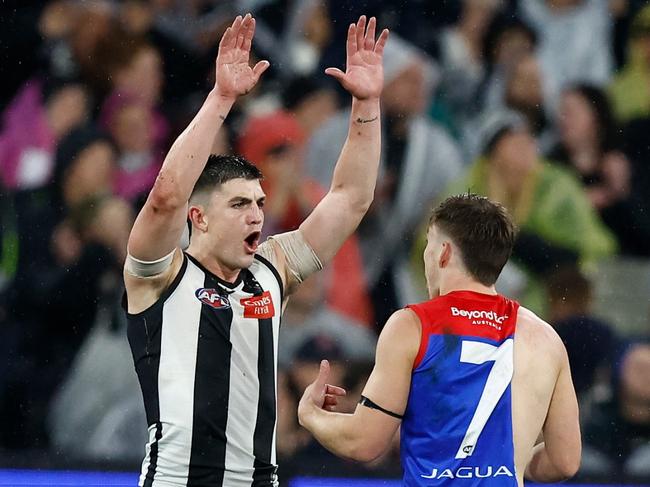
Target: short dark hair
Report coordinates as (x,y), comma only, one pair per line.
(222,168)
(482,230)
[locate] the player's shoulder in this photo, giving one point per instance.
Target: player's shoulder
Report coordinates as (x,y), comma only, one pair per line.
(536,333)
(403,319)
(402,330)
(429,307)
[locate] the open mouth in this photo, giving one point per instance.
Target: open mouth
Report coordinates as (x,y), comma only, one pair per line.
(252,241)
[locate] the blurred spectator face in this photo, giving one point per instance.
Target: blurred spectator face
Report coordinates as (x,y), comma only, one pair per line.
(316,109)
(635,387)
(569,293)
(57,19)
(274,143)
(131,128)
(67,108)
(513,43)
(477,14)
(308,357)
(405,94)
(514,155)
(136,16)
(93,24)
(525,84)
(111,226)
(143,76)
(642,45)
(90,174)
(578,125)
(318,26)
(280,162)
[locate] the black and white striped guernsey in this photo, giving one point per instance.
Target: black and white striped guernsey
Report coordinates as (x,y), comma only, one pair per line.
(206,357)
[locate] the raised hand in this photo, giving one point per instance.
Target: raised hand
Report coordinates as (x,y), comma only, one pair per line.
(364,74)
(234,76)
(319,394)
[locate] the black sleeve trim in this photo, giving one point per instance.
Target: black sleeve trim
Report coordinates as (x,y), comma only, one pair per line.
(364,401)
(274,271)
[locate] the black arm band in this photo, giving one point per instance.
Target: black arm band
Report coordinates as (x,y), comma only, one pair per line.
(364,401)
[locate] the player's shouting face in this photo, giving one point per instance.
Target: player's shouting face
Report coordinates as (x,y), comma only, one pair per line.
(231,218)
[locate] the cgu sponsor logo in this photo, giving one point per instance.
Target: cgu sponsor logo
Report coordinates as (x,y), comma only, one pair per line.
(490,318)
(486,472)
(211,297)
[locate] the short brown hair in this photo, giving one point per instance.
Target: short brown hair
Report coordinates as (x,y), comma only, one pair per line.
(483,231)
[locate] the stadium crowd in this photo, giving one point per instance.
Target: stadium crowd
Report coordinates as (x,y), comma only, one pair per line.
(543,105)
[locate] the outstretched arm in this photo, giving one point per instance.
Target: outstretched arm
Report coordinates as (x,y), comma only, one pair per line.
(366,434)
(337,216)
(159,225)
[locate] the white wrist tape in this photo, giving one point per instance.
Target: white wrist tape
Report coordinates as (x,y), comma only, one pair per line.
(142,268)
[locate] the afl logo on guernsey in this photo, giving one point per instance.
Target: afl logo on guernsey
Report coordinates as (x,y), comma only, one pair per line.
(211,297)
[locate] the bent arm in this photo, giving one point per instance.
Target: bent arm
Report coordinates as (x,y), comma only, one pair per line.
(366,434)
(558,457)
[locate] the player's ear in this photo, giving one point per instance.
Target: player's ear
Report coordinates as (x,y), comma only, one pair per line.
(198,217)
(445,254)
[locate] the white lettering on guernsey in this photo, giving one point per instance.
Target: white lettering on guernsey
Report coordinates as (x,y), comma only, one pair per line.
(469,473)
(490,318)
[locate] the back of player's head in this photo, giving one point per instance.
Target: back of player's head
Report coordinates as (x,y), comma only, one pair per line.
(481,229)
(222,168)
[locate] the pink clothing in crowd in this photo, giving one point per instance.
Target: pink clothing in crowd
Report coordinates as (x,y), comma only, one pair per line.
(136,171)
(27,143)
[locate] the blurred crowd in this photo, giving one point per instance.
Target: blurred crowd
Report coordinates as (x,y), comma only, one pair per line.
(543,105)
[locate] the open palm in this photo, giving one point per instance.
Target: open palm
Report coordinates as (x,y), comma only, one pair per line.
(364,74)
(234,76)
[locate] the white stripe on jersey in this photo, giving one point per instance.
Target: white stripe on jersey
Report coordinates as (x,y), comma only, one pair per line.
(243,399)
(181,319)
(178,349)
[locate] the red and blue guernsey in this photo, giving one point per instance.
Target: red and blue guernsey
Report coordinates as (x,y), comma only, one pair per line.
(457,427)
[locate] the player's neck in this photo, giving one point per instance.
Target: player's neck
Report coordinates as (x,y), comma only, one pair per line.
(453,283)
(213,265)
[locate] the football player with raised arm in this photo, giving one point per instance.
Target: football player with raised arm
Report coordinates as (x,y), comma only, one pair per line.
(479,385)
(203,323)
